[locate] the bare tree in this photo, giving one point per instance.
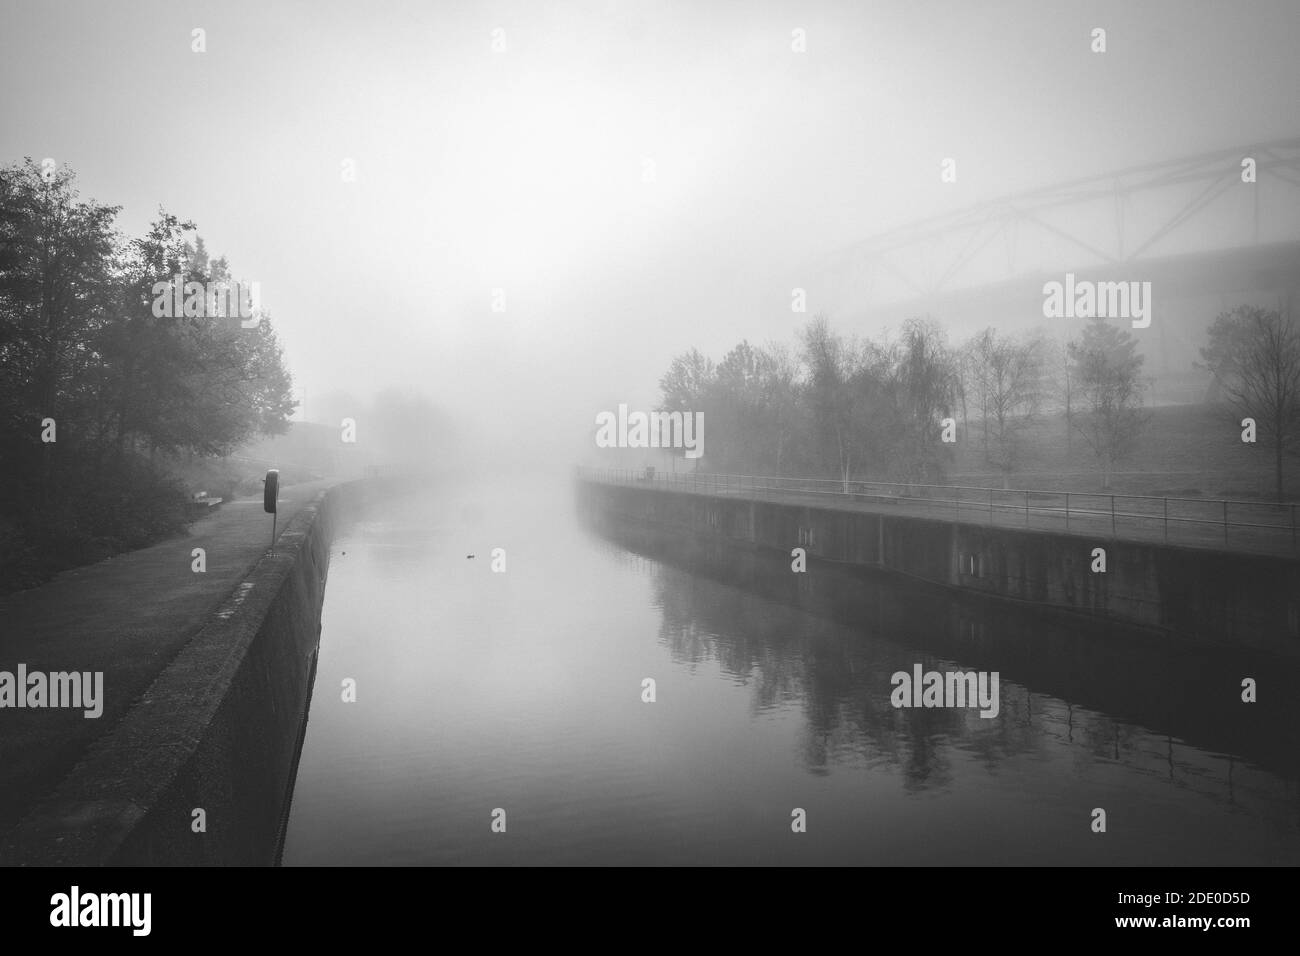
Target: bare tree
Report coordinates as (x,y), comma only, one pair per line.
(962,381)
(687,387)
(1107,373)
(782,404)
(832,364)
(925,376)
(1059,384)
(1006,375)
(973,367)
(688,378)
(1068,388)
(1255,357)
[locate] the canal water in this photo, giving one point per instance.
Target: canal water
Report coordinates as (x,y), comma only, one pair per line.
(521,691)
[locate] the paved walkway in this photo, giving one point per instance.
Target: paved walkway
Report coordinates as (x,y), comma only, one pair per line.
(128,617)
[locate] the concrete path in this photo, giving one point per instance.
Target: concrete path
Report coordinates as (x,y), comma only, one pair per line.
(128,617)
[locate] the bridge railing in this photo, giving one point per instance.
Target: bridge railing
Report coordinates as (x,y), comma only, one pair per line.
(1256,526)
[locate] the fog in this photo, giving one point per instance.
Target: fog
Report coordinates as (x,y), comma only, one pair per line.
(628,179)
(650,432)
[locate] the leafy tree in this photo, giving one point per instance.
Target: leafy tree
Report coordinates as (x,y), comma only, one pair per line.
(80,344)
(188,383)
(56,265)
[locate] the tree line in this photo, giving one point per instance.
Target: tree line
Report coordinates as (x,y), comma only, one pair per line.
(97,389)
(851,408)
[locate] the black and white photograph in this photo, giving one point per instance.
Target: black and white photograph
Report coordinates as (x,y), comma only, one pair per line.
(684,434)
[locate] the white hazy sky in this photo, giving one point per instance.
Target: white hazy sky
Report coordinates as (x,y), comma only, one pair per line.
(523,170)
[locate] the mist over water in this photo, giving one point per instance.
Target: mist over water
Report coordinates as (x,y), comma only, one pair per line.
(521,690)
(669,384)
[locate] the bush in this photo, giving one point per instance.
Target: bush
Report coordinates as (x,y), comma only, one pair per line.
(119,508)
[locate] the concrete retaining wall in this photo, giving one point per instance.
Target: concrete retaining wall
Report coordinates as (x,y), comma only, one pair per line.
(220,729)
(1198,596)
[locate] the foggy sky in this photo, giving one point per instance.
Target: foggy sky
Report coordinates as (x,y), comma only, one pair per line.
(523,170)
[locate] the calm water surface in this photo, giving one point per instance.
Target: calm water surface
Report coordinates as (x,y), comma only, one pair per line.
(522,691)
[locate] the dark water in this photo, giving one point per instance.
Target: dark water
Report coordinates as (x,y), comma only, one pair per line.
(522,691)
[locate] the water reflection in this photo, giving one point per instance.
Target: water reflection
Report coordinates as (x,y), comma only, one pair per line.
(522,690)
(1106,693)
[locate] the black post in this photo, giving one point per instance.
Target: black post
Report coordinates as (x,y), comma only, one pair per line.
(270,494)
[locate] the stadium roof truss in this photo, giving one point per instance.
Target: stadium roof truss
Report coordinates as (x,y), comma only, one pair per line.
(1115,218)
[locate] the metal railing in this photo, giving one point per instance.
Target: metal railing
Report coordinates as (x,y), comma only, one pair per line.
(1255,526)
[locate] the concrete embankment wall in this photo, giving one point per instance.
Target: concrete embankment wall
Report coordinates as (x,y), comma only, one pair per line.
(1198,596)
(219,730)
